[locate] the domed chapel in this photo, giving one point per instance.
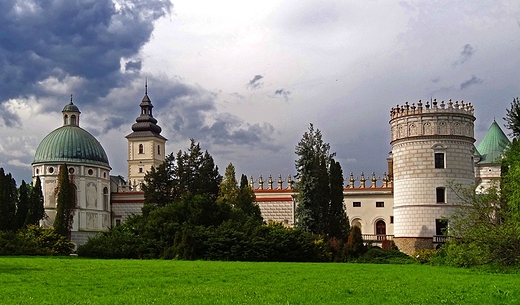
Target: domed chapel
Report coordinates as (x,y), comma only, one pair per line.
(88,168)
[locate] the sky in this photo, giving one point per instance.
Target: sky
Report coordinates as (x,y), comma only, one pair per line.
(245,79)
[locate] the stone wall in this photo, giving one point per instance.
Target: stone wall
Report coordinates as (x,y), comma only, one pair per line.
(410,245)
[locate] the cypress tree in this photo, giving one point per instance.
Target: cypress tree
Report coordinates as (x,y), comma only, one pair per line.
(338,224)
(36,211)
(8,198)
(65,204)
(23,206)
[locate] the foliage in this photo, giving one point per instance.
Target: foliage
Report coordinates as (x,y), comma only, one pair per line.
(36,211)
(354,247)
(379,256)
(22,208)
(424,256)
(338,225)
(320,207)
(65,203)
(34,240)
(512,118)
(188,173)
(8,200)
(159,183)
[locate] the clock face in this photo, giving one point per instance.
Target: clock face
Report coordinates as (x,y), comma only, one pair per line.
(91,195)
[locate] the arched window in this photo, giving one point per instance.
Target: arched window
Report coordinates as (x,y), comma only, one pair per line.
(66,120)
(141,149)
(105,199)
(72,120)
(381,230)
(159,149)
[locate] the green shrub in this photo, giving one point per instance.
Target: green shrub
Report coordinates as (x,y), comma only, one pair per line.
(466,254)
(379,256)
(424,256)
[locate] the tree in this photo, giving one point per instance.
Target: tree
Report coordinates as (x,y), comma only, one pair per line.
(192,172)
(313,181)
(241,198)
(65,203)
(159,183)
(23,205)
(36,211)
(337,220)
(8,199)
(512,118)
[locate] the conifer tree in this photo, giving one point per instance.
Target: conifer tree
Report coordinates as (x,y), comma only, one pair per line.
(313,184)
(159,183)
(337,220)
(36,211)
(8,198)
(512,118)
(65,203)
(22,207)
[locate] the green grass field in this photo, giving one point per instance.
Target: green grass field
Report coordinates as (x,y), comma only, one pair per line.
(48,280)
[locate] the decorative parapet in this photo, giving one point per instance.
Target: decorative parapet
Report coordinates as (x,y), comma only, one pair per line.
(406,109)
(289,184)
(452,119)
(386,181)
(279,186)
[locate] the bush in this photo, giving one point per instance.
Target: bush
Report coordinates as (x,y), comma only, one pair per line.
(465,254)
(424,256)
(379,256)
(34,240)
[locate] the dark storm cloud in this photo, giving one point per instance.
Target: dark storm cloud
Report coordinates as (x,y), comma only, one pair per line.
(133,66)
(189,111)
(465,55)
(8,118)
(472,81)
(255,82)
(80,38)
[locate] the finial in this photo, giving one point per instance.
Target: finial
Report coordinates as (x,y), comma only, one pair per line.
(71,99)
(146,85)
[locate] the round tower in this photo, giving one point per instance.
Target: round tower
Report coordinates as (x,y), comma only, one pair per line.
(432,149)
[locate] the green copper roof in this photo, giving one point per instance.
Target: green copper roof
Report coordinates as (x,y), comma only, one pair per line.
(493,144)
(70,144)
(70,108)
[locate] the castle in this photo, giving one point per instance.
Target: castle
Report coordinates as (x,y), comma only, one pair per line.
(432,147)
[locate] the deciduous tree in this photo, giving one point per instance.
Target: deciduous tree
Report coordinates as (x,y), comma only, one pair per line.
(512,118)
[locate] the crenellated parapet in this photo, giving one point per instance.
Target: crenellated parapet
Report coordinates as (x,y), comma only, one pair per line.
(432,119)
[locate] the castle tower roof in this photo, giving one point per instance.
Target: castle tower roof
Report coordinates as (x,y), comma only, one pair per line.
(146,125)
(492,146)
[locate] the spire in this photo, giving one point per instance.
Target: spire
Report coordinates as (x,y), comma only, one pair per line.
(146,124)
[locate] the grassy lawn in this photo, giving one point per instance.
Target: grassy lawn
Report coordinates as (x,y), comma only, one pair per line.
(50,280)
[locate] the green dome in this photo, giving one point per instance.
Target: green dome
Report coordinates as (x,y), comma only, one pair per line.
(70,108)
(70,144)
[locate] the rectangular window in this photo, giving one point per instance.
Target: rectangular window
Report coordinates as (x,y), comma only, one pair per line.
(441,225)
(118,222)
(380,204)
(439,160)
(140,169)
(356,204)
(391,219)
(441,195)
